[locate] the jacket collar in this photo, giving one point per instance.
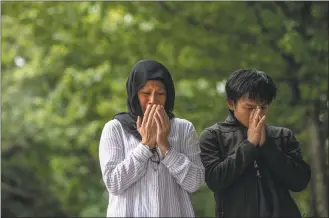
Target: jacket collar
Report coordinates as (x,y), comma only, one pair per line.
(233,123)
(231,119)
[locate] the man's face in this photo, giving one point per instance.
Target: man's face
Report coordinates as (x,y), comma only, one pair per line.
(243,108)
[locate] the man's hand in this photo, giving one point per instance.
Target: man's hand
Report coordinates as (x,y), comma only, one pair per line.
(255,127)
(163,127)
(263,136)
(148,128)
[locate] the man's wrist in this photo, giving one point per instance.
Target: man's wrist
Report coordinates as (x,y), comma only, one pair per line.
(252,142)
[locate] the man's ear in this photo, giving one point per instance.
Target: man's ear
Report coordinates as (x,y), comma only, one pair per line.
(230,104)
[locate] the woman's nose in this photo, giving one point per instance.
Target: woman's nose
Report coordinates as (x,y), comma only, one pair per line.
(153,99)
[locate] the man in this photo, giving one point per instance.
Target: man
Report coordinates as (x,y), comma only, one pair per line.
(250,166)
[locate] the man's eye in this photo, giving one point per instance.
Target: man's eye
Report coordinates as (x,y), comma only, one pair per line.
(146,93)
(162,93)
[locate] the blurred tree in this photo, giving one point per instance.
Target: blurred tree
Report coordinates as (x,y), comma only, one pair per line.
(303,45)
(23,193)
(65,65)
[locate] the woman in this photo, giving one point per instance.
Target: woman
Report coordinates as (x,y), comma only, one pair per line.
(150,161)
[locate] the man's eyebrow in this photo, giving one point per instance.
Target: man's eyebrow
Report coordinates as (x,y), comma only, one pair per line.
(255,105)
(252,105)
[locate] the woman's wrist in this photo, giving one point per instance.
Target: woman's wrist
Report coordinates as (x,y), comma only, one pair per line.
(146,145)
(167,151)
(164,147)
(149,144)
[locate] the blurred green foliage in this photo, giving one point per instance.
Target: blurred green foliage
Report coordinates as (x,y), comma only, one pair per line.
(64,67)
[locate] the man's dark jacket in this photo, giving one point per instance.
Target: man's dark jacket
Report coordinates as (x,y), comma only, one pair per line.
(251,181)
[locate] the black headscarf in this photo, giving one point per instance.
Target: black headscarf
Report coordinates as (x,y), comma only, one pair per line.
(140,73)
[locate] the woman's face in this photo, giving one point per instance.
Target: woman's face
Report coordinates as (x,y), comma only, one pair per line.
(153,92)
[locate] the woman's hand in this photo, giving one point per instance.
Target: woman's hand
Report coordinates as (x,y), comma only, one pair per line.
(148,128)
(163,127)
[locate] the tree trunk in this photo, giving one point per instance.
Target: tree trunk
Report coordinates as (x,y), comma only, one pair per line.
(317,154)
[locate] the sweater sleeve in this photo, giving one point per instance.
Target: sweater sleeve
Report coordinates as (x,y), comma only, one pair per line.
(186,167)
(120,172)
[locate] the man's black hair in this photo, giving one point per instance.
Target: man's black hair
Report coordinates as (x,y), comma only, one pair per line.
(256,84)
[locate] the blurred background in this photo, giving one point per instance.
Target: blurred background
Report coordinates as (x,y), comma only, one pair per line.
(64,67)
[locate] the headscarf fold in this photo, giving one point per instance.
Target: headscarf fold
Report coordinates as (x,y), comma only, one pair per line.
(140,73)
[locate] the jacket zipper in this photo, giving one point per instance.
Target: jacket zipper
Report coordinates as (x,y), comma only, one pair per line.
(258,176)
(221,215)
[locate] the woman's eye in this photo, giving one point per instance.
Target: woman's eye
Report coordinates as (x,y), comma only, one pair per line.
(162,93)
(146,93)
